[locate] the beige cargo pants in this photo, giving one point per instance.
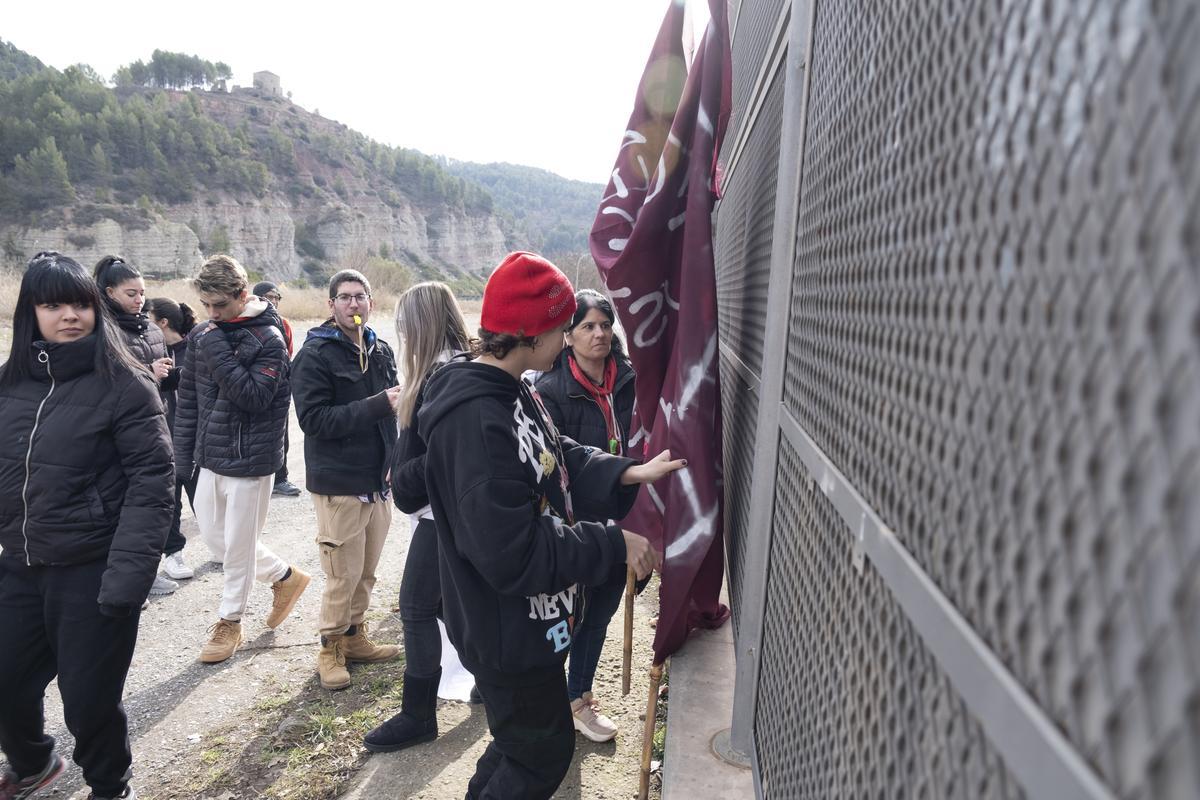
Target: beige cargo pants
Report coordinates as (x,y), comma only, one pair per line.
(350,535)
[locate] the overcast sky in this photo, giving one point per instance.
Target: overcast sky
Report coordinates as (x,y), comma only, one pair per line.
(547,83)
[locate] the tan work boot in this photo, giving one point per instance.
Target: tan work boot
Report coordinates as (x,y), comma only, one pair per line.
(331,663)
(359,648)
(287,592)
(226,636)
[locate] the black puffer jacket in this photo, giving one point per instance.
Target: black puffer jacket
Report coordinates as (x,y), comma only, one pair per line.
(169,387)
(234,396)
(100,481)
(145,340)
(574,410)
(347,419)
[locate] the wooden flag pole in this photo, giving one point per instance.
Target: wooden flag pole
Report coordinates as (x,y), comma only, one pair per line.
(627,656)
(656,672)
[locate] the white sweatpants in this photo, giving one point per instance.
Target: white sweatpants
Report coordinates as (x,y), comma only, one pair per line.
(231,513)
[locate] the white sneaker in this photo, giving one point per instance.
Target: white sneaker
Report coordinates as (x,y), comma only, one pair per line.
(590,722)
(176,568)
(163,585)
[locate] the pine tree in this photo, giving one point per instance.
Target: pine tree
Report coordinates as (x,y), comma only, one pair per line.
(41,179)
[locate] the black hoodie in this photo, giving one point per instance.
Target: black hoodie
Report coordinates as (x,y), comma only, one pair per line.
(510,558)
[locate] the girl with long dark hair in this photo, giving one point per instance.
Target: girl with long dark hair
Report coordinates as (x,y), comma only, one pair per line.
(124,292)
(431,331)
(590,396)
(176,321)
(86,487)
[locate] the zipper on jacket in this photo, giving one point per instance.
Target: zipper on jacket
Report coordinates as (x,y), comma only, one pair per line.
(43,358)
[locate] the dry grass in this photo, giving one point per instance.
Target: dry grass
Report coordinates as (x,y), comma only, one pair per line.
(305,745)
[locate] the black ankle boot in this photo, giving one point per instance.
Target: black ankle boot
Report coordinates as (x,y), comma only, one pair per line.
(417,720)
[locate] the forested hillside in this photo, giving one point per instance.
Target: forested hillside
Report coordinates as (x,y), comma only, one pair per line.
(554,213)
(65,135)
(163,163)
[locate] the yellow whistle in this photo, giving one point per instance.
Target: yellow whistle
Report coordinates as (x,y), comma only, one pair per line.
(357,319)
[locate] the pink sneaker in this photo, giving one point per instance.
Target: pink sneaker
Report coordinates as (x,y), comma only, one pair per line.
(590,722)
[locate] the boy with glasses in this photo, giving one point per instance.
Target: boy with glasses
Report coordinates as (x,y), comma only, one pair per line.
(344,385)
(229,423)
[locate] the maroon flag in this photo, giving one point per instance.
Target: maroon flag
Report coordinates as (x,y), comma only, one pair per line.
(652,240)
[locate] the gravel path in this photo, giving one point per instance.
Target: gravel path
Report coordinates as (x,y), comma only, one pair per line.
(178,708)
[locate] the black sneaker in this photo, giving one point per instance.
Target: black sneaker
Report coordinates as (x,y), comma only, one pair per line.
(286,489)
(12,788)
(128,794)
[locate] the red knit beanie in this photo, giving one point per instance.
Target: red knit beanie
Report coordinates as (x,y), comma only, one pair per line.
(526,295)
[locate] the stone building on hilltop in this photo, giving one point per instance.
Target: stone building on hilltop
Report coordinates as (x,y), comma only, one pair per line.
(268,82)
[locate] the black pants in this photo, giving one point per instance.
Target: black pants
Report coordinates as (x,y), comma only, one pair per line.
(421,602)
(176,541)
(533,740)
(282,475)
(50,624)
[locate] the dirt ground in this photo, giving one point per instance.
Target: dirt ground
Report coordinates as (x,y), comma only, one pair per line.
(259,725)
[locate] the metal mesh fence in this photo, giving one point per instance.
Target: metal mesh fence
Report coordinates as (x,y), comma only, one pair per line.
(740,405)
(850,702)
(752,40)
(743,262)
(744,238)
(995,336)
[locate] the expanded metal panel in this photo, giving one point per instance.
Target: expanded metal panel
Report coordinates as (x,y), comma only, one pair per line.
(745,224)
(995,335)
(739,404)
(752,40)
(851,704)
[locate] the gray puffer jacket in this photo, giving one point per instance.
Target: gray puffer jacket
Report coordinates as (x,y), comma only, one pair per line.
(234,396)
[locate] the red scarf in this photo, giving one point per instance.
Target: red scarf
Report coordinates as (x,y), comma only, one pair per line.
(602,394)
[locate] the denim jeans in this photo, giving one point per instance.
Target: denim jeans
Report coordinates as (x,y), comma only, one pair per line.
(421,602)
(601,603)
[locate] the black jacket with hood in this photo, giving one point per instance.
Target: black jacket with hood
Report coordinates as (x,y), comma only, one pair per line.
(574,410)
(168,388)
(347,419)
(234,396)
(510,561)
(86,471)
(144,339)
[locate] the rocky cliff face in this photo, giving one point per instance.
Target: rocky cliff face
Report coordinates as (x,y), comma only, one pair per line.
(263,236)
(165,248)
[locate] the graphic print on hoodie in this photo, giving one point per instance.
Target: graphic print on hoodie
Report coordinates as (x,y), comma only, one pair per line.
(504,488)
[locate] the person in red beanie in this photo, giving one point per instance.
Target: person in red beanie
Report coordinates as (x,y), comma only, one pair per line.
(507,491)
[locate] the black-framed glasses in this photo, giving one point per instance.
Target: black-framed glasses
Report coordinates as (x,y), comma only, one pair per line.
(360,298)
